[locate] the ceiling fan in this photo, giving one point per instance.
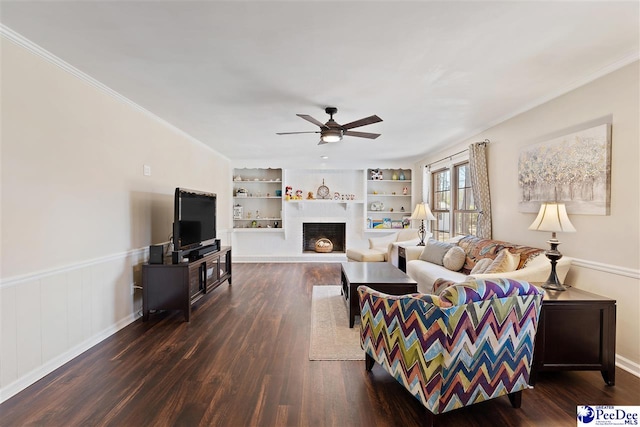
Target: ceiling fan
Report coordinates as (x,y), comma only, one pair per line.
(333,132)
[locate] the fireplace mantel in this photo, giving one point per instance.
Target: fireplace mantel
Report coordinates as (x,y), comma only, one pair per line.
(346,204)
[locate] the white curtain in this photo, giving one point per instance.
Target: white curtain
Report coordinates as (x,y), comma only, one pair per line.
(480,187)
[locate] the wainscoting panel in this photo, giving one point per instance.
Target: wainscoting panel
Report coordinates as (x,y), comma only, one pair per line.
(54,300)
(8,335)
(29,327)
(48,318)
(76,310)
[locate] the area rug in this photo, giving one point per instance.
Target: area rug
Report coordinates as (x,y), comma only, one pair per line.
(331,336)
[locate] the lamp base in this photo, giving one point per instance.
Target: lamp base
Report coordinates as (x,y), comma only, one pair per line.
(421,233)
(553,283)
(554,286)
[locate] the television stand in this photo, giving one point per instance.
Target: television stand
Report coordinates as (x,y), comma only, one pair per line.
(178,286)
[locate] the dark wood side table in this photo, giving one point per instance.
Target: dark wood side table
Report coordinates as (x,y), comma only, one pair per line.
(576,331)
(381,276)
(402,258)
(407,251)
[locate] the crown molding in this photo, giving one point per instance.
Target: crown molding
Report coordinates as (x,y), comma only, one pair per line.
(39,51)
(452,142)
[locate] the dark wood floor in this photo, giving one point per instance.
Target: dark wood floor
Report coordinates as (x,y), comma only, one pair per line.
(243,361)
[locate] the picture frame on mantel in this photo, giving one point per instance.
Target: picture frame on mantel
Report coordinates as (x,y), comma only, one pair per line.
(574,169)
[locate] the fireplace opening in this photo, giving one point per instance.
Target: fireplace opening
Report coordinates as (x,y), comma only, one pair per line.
(313,232)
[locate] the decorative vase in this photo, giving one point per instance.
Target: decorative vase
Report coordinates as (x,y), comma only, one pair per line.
(394,176)
(401,176)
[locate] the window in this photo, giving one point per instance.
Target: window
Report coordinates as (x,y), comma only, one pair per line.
(453,206)
(441,204)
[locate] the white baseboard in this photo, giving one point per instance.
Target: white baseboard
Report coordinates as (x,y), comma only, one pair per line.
(628,365)
(287,258)
(26,380)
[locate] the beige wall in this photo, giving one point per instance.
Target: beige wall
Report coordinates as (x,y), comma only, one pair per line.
(77,212)
(606,248)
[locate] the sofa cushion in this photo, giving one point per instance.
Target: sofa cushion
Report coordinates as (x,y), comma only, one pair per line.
(409,234)
(365,255)
(435,251)
(481,266)
(454,258)
(382,243)
(476,249)
(504,263)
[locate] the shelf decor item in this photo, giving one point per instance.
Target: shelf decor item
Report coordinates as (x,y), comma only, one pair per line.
(237,212)
(401,175)
(394,176)
(323,192)
(376,175)
(377,206)
(422,212)
(553,217)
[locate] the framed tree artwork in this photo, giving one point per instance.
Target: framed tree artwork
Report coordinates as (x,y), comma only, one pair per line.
(574,169)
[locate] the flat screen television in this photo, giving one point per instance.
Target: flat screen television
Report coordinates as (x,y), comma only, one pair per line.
(194,219)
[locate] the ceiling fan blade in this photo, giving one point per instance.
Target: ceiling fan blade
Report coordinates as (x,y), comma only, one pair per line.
(295,133)
(362,122)
(312,120)
(322,142)
(362,134)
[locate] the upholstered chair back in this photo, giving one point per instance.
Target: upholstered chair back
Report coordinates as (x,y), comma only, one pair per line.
(472,342)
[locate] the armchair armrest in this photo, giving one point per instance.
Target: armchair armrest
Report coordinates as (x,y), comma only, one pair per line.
(413,252)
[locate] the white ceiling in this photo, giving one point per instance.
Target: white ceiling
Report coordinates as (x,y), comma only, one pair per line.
(232,74)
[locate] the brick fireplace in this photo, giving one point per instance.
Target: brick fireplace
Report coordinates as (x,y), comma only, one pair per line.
(334,231)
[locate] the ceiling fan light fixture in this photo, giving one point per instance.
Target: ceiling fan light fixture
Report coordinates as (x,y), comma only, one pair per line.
(331,135)
(333,131)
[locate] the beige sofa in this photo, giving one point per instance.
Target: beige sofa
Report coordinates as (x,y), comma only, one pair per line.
(385,248)
(532,264)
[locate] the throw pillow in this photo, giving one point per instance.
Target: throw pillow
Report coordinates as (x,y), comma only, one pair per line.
(481,266)
(454,258)
(382,243)
(504,263)
(435,251)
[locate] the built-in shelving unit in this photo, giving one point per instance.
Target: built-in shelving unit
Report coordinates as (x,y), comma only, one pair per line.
(346,199)
(389,199)
(257,200)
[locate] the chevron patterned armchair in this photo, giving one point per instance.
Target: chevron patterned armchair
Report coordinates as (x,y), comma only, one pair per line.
(470,343)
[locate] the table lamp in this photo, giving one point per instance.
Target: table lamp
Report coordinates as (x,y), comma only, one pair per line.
(553,217)
(422,212)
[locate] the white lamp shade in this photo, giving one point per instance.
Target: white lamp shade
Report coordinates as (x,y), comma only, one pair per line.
(552,217)
(422,211)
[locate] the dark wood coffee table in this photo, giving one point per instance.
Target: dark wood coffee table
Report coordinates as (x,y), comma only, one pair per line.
(381,276)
